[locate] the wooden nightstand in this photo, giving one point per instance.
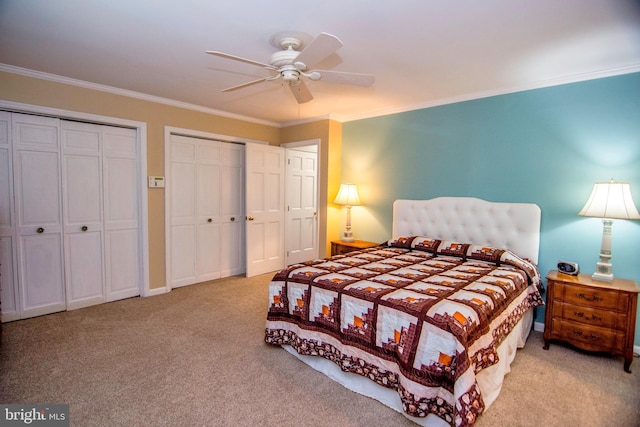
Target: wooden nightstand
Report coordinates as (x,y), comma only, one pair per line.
(338,247)
(592,315)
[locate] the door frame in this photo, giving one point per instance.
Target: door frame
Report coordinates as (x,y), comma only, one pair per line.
(317,142)
(141,129)
(168,132)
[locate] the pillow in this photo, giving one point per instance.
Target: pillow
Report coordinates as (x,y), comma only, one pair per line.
(510,258)
(485,253)
(453,249)
(425,244)
(401,242)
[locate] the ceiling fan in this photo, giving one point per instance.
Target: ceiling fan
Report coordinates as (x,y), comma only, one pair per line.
(292,65)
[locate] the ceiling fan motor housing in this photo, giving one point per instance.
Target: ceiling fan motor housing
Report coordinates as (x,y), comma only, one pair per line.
(290,75)
(283,57)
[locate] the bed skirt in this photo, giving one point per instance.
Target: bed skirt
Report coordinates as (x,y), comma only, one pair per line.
(489,379)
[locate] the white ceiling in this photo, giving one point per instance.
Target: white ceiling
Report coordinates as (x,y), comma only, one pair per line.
(422,52)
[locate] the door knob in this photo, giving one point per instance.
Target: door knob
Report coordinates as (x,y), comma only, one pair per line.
(40,230)
(250,218)
(233,218)
(209,220)
(84,228)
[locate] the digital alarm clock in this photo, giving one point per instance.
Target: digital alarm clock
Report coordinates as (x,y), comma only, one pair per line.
(567,267)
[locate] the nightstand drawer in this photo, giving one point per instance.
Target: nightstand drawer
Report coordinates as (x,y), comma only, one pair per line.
(589,337)
(590,316)
(593,297)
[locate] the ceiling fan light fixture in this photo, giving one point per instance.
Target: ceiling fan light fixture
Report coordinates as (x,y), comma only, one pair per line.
(290,76)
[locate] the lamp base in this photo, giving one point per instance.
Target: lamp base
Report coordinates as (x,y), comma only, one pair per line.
(347,236)
(603,272)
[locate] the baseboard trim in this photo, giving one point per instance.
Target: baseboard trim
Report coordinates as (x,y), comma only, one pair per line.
(156,291)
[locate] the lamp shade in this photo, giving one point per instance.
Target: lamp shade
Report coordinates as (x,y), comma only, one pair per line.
(610,200)
(347,195)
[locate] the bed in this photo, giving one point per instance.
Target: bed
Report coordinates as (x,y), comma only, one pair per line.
(428,322)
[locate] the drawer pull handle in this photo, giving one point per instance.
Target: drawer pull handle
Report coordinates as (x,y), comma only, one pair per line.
(583,335)
(84,228)
(584,297)
(581,315)
(40,230)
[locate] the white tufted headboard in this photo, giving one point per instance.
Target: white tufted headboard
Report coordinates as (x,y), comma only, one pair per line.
(514,226)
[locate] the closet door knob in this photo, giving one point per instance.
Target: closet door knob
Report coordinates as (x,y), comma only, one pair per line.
(233,218)
(209,220)
(250,218)
(84,228)
(40,230)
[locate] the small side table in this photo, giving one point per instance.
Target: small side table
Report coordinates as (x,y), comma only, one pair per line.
(338,247)
(592,315)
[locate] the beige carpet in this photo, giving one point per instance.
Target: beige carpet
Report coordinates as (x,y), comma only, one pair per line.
(196,357)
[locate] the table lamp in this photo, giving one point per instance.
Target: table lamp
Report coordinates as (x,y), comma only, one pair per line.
(348,197)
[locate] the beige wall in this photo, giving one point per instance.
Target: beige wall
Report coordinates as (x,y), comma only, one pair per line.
(42,93)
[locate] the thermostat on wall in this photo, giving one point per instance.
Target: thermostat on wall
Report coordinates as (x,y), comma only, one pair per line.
(156,182)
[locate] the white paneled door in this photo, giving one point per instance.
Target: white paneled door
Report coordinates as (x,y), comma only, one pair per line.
(265,175)
(122,230)
(302,206)
(83,225)
(205,210)
(38,202)
(8,291)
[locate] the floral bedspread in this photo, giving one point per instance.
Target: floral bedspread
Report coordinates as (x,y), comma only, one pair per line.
(417,315)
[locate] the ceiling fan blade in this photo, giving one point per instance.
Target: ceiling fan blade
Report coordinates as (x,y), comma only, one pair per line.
(240,86)
(238,58)
(319,48)
(301,92)
(341,77)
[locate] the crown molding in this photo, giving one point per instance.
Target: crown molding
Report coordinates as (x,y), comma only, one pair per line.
(129,93)
(339,118)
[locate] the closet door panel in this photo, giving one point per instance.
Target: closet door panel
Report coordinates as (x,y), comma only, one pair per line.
(121,212)
(208,252)
(183,255)
(40,267)
(208,213)
(8,292)
(123,259)
(82,210)
(7,273)
(85,284)
(232,239)
(121,192)
(37,191)
(182,187)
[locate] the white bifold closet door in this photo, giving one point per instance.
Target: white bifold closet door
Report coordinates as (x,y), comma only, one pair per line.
(206,210)
(100,213)
(38,203)
(73,234)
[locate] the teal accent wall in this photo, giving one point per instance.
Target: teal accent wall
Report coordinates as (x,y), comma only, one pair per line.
(545,146)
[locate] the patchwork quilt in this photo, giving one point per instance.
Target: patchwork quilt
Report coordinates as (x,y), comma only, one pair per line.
(418,315)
